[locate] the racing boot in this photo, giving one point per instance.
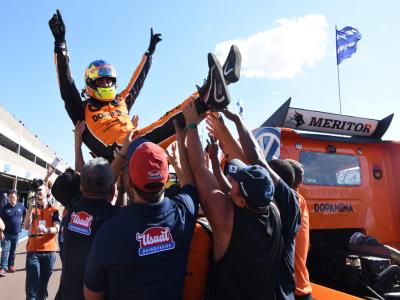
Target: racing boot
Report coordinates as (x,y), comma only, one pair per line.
(214,93)
(232,65)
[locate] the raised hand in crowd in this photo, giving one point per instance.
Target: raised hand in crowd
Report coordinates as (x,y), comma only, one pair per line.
(186,171)
(50,171)
(80,127)
(251,150)
(216,126)
(212,150)
(120,155)
(135,121)
(173,158)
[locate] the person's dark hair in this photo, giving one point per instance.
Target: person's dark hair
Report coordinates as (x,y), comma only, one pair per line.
(96,176)
(12,191)
(66,188)
(151,197)
(284,169)
(36,183)
(298,172)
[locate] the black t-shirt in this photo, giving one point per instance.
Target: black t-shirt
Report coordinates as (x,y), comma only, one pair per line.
(286,199)
(142,253)
(249,269)
(79,228)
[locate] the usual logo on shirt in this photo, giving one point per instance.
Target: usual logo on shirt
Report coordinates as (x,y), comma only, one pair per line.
(155,239)
(80,222)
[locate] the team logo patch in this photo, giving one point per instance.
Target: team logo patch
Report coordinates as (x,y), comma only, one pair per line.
(154,174)
(155,239)
(81,222)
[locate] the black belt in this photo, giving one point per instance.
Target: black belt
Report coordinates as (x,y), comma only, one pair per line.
(36,235)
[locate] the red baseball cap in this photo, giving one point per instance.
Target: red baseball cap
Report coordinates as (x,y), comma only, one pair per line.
(148,164)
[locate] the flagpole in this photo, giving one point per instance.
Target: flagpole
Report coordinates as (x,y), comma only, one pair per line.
(340,98)
(338,76)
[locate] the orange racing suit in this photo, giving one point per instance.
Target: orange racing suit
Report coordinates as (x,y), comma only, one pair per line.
(107,123)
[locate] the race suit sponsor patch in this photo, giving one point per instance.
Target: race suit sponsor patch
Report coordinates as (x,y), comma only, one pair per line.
(81,222)
(155,239)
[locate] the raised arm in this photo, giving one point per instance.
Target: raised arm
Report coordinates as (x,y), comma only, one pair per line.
(217,128)
(50,171)
(186,171)
(250,147)
(120,156)
(212,149)
(69,92)
(173,158)
(80,127)
(28,216)
(216,205)
(136,82)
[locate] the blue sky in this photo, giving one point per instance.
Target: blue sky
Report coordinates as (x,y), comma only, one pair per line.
(288,50)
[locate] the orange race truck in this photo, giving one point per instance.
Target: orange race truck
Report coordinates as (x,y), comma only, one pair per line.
(352,188)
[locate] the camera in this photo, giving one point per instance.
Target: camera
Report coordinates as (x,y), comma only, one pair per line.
(36,183)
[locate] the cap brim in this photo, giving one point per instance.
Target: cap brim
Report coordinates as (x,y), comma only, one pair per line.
(134,145)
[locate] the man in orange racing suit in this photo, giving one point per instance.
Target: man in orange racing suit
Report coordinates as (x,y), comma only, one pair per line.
(107,114)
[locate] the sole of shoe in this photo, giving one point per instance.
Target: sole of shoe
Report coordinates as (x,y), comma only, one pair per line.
(232,65)
(219,90)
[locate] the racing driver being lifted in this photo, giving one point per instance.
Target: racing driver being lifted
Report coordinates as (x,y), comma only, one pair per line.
(106,113)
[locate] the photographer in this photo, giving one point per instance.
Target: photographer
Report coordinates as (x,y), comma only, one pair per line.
(43,222)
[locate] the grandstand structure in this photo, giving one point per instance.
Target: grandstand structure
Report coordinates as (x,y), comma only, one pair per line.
(23,156)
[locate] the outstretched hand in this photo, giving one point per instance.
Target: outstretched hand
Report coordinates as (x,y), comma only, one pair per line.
(190,113)
(154,40)
(230,115)
(216,126)
(130,137)
(180,134)
(80,127)
(57,27)
(172,154)
(212,148)
(135,121)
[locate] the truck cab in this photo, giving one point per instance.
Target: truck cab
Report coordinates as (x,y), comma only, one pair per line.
(352,189)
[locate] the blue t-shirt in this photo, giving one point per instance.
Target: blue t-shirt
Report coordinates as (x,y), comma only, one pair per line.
(286,200)
(142,253)
(12,217)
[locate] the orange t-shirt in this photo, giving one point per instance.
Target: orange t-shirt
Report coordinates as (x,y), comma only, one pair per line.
(302,278)
(198,264)
(46,242)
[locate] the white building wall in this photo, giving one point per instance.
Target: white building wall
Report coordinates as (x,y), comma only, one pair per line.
(13,164)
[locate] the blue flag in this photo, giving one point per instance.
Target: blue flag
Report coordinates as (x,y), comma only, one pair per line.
(346,43)
(239,103)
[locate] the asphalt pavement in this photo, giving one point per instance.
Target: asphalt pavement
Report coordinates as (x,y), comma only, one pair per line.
(12,286)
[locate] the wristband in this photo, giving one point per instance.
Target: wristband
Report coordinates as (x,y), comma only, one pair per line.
(60,47)
(191,125)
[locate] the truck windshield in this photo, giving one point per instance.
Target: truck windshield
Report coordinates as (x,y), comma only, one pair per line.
(330,169)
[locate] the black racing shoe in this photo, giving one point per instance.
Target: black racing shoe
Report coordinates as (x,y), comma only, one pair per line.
(214,93)
(232,65)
